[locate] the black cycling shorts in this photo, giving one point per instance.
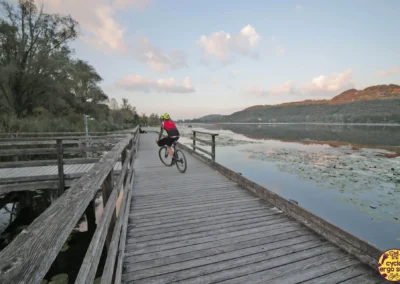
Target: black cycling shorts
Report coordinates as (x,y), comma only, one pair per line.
(167,141)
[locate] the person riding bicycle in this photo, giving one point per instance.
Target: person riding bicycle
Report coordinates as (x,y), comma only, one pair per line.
(172,132)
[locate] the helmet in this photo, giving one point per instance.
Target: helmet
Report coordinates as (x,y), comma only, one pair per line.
(165,116)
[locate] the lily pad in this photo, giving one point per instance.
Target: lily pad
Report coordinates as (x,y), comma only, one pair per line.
(59,279)
(65,247)
(97,280)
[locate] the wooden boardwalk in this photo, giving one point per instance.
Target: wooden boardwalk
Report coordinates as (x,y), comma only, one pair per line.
(200,227)
(38,172)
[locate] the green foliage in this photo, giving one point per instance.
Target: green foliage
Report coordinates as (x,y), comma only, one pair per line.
(42,88)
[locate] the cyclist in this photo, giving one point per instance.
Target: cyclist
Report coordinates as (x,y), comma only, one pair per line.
(172,132)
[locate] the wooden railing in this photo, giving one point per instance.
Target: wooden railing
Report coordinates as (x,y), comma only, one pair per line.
(28,258)
(206,142)
(57,147)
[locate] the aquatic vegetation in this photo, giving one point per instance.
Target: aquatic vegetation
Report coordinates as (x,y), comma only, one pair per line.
(367,179)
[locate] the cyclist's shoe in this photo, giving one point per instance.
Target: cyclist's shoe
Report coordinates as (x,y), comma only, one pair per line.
(173,161)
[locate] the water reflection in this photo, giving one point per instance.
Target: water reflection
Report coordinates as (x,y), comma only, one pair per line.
(387,137)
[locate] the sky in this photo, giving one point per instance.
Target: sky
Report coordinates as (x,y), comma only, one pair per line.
(192,58)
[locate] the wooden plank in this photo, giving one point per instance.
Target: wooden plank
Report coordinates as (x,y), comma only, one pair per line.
(196,223)
(107,189)
(146,249)
(220,245)
(225,252)
(88,269)
(63,137)
(208,133)
(206,230)
(121,246)
(339,275)
(30,151)
(109,267)
(22,164)
(366,278)
(212,272)
(290,266)
(192,216)
(31,247)
(60,165)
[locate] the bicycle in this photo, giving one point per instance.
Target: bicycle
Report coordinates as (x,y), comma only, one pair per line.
(163,152)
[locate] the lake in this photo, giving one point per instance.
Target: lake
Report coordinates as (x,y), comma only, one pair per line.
(346,174)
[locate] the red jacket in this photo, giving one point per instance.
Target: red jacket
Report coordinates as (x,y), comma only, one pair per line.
(170,127)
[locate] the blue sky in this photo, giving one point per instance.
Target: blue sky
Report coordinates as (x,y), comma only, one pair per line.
(192,58)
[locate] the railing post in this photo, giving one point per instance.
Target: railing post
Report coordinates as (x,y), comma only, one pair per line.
(60,162)
(194,141)
(213,147)
(107,188)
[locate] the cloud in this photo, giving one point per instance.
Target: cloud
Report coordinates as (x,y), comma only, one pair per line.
(299,8)
(223,45)
(157,59)
(256,91)
(285,89)
(137,4)
(280,51)
(97,20)
(138,83)
(394,70)
(323,85)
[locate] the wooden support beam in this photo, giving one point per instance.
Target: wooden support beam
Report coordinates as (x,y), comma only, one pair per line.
(60,163)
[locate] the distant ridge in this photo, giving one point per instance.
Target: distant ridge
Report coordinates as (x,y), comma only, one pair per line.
(375,104)
(379,92)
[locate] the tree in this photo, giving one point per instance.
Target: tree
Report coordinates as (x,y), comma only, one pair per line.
(34,53)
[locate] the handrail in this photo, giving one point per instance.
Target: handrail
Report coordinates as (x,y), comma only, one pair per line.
(28,258)
(210,143)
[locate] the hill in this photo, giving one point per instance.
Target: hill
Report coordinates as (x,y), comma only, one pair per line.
(379,92)
(376,104)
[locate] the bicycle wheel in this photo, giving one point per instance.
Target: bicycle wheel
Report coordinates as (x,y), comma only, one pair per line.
(180,161)
(164,157)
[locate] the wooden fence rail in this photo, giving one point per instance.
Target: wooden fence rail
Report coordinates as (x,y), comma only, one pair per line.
(210,143)
(56,147)
(28,258)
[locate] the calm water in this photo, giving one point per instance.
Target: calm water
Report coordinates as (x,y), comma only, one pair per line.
(363,199)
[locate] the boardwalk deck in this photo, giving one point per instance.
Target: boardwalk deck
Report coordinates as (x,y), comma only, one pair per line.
(200,227)
(48,170)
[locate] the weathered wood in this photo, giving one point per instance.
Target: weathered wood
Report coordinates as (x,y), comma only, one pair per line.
(60,137)
(89,266)
(107,188)
(121,246)
(109,268)
(31,151)
(363,250)
(213,148)
(21,164)
(20,134)
(29,256)
(60,163)
(208,133)
(181,231)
